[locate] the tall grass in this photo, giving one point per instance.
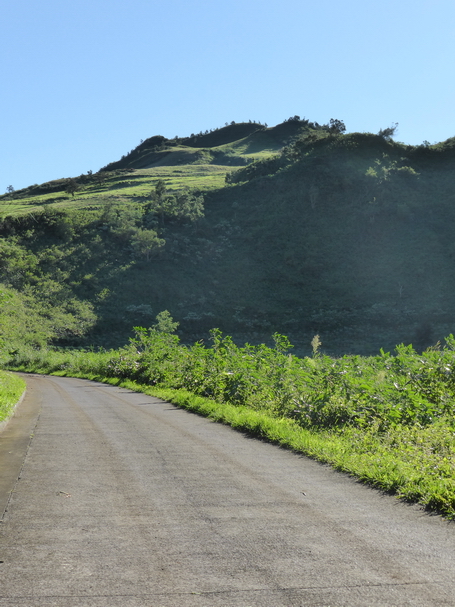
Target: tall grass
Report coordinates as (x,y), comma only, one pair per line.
(11,389)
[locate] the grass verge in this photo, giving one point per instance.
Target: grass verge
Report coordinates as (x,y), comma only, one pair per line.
(11,389)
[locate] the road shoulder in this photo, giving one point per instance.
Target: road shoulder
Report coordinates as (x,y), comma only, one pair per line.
(15,436)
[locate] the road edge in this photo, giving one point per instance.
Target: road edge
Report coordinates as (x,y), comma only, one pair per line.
(15,438)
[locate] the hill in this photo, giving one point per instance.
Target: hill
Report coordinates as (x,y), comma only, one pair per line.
(299,229)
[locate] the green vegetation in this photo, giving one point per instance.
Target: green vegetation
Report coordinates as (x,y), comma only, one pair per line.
(11,389)
(386,419)
(299,229)
(119,185)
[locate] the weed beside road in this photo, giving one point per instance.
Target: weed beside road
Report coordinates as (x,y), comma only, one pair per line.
(11,389)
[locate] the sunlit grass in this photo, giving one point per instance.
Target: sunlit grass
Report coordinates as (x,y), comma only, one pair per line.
(137,184)
(11,389)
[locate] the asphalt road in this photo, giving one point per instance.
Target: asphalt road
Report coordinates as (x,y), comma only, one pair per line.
(116,499)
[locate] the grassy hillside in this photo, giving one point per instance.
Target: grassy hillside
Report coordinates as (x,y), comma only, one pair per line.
(298,229)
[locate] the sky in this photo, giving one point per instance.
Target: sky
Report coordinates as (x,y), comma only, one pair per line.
(83,82)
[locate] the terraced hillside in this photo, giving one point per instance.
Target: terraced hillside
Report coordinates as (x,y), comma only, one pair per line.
(198,162)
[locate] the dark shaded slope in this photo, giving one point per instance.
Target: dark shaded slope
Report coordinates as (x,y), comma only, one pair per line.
(346,240)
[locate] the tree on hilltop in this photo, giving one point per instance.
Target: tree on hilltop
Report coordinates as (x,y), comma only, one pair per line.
(337,126)
(389,132)
(186,205)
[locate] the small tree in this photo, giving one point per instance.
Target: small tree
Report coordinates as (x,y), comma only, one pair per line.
(71,187)
(10,189)
(165,323)
(160,202)
(337,126)
(189,206)
(389,132)
(101,177)
(146,243)
(160,189)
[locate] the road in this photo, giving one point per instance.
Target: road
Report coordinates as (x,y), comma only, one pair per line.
(116,499)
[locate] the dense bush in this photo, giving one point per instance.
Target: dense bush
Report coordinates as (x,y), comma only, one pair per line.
(384,391)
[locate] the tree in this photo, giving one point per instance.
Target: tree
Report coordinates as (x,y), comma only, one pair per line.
(146,243)
(10,189)
(186,205)
(337,126)
(71,187)
(160,189)
(101,177)
(121,221)
(159,200)
(165,323)
(389,132)
(189,206)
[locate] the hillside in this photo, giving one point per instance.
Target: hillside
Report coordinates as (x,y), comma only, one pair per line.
(298,228)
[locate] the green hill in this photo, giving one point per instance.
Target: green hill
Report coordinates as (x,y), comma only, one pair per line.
(298,228)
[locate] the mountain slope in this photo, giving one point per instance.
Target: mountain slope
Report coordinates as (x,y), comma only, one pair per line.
(348,236)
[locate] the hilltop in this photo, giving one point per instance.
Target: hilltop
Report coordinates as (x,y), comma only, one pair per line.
(232,145)
(298,228)
(181,162)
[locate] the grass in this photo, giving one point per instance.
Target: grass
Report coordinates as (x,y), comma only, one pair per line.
(11,389)
(256,148)
(132,184)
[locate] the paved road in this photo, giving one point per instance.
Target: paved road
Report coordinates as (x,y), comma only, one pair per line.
(116,499)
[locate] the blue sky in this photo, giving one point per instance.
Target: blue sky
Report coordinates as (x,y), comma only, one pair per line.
(84,82)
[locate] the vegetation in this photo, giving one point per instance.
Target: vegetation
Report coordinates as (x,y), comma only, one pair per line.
(11,389)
